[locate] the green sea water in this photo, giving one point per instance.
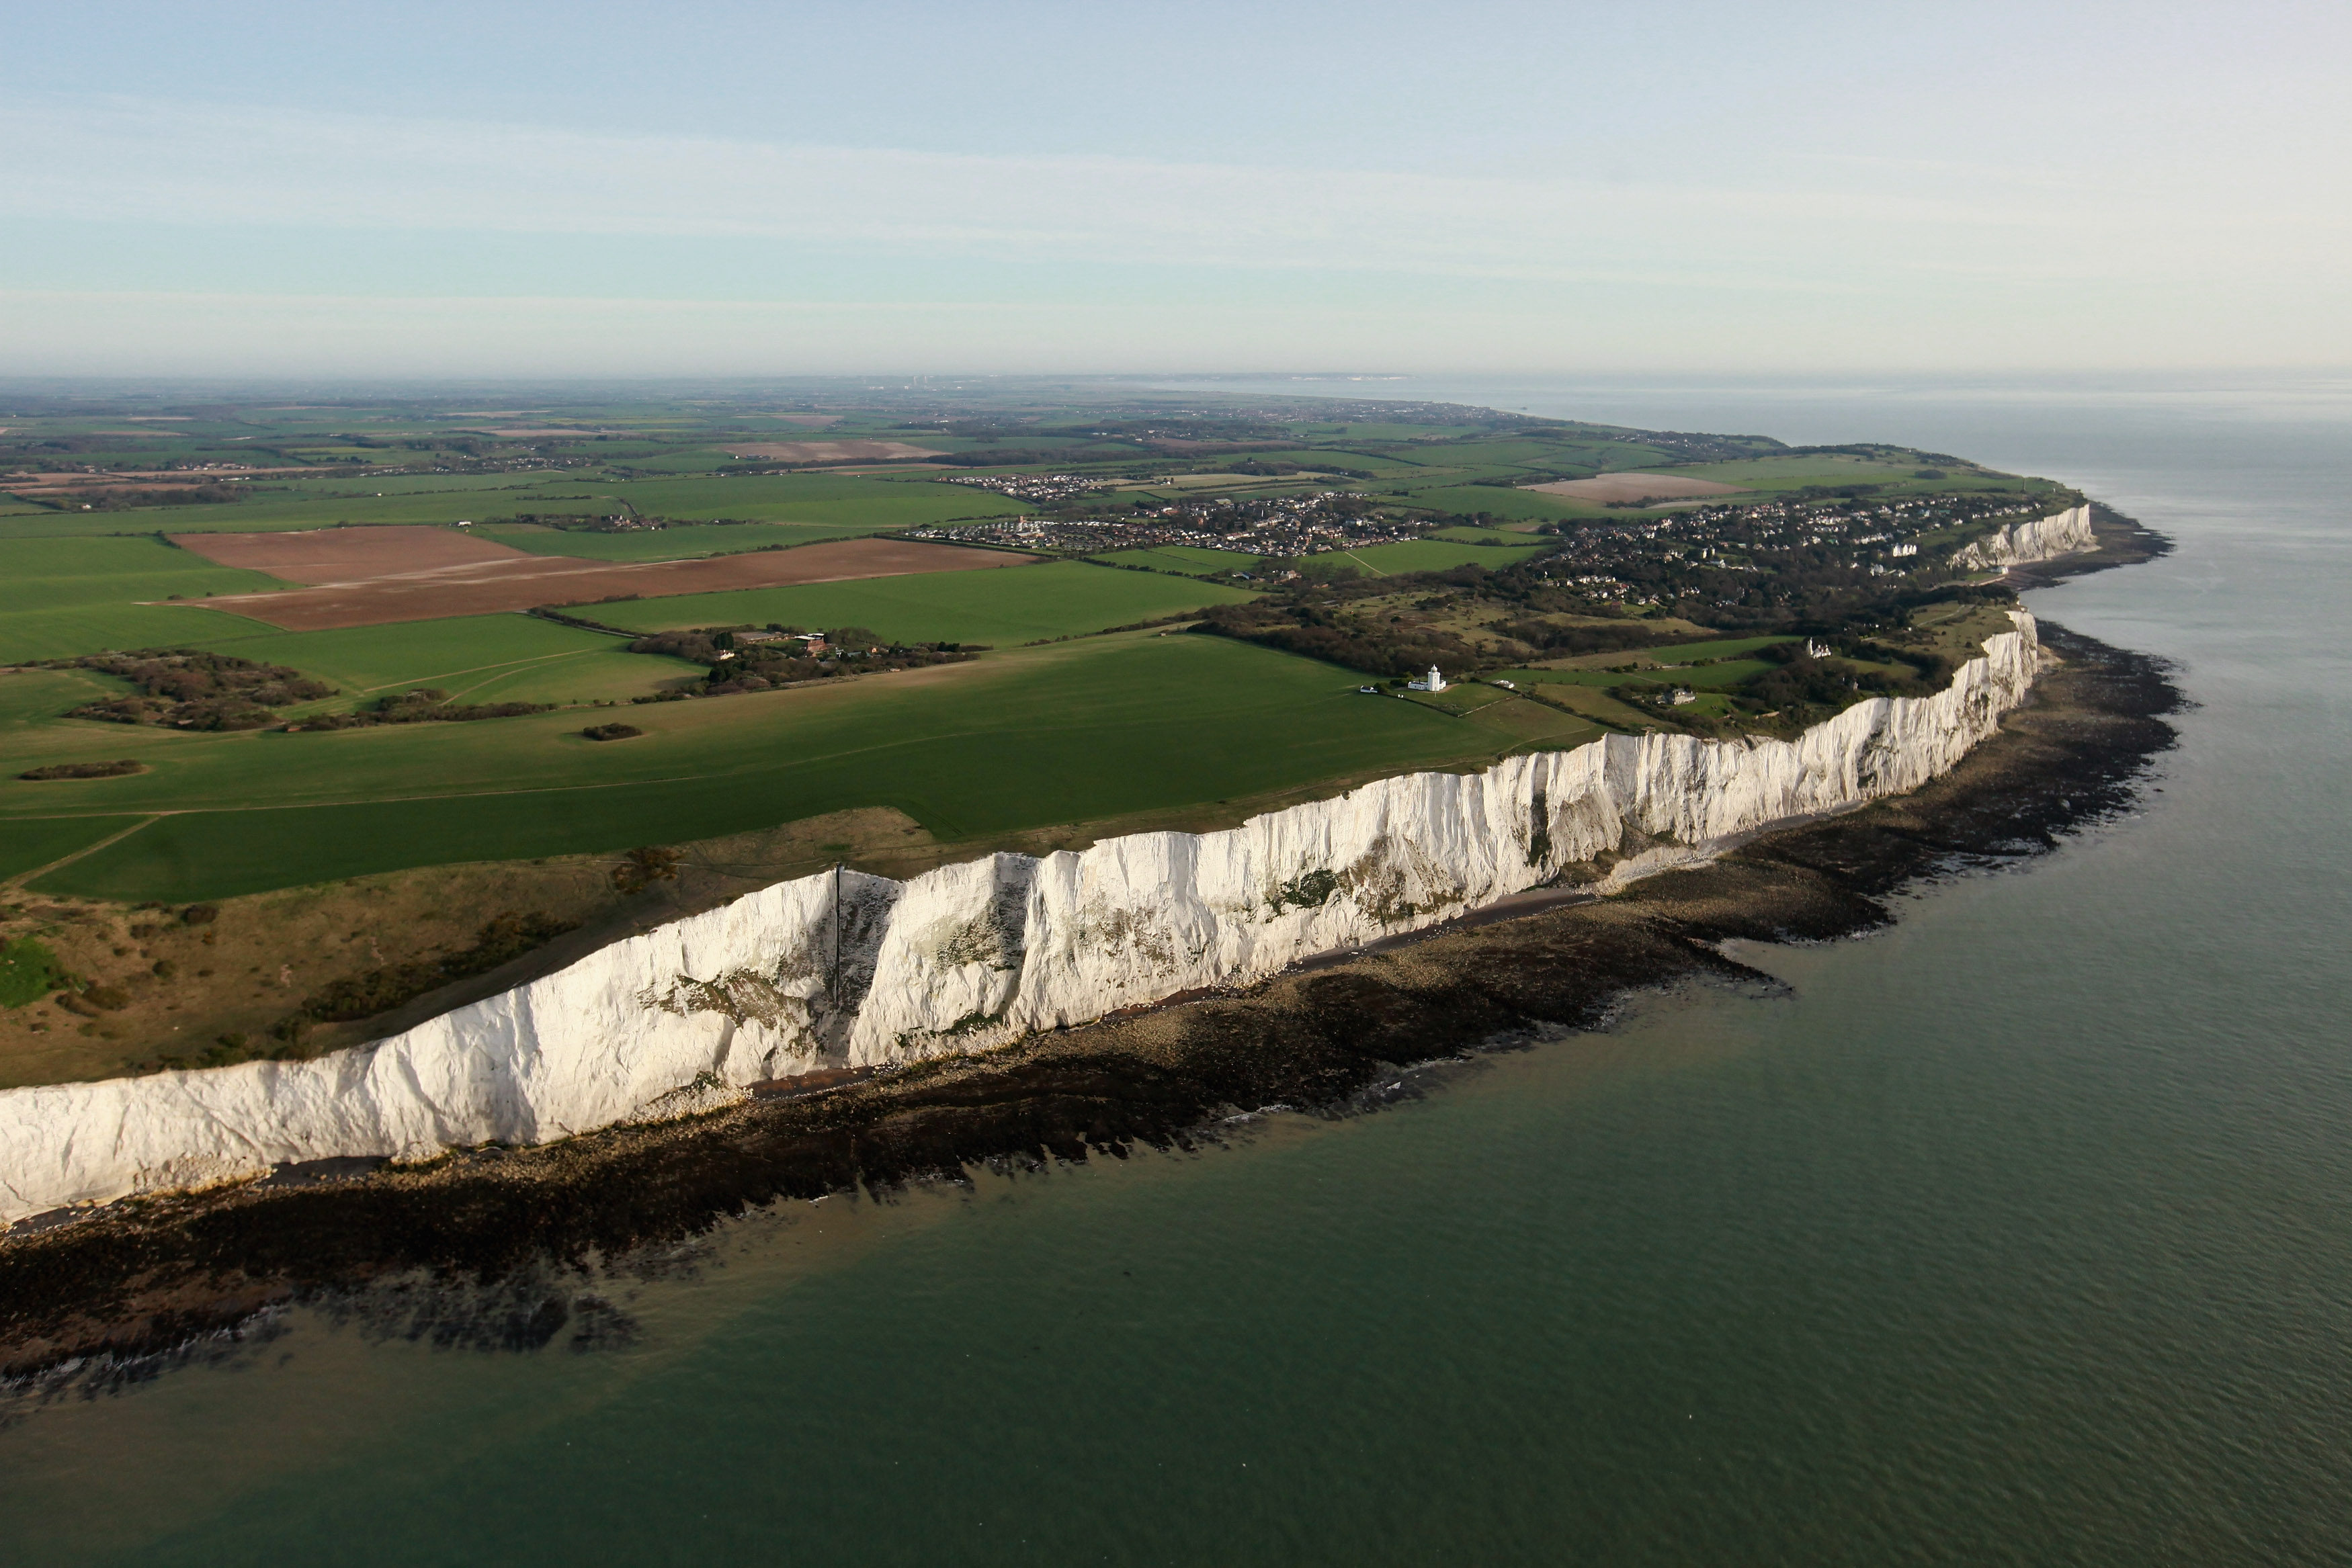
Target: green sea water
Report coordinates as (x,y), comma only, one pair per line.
(2020,1233)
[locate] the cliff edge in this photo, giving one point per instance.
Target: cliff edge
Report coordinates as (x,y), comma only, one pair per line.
(846,969)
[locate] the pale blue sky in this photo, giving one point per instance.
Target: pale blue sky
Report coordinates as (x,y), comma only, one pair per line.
(713,188)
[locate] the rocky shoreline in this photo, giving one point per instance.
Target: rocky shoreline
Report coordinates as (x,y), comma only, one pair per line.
(143,1276)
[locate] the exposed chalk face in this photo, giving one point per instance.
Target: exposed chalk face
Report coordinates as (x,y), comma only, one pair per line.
(2022,544)
(843,969)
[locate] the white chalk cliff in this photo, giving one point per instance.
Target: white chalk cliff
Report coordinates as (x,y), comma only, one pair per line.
(2022,544)
(843,968)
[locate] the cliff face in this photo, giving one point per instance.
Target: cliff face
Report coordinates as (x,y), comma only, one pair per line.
(843,968)
(2042,538)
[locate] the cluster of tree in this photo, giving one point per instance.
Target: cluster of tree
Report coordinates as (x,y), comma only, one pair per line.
(1318,627)
(424,704)
(189,688)
(126,499)
(740,663)
(586,523)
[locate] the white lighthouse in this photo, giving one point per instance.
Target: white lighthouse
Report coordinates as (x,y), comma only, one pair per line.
(1434,682)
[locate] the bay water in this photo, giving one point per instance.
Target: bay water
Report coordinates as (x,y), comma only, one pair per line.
(2019,1233)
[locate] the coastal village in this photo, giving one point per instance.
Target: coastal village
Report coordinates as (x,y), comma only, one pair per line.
(1301,525)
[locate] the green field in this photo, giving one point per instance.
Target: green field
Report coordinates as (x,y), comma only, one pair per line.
(1501,501)
(1189,560)
(1068,733)
(26,845)
(1009,605)
(1477,536)
(60,597)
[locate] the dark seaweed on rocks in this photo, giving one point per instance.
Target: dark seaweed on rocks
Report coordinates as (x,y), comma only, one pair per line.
(142,1277)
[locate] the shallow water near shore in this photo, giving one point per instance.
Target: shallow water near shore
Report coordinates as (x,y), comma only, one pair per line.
(2020,1232)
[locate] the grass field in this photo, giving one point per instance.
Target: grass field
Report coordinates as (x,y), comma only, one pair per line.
(1519,506)
(1475,536)
(1020,604)
(59,597)
(1192,561)
(29,844)
(1061,734)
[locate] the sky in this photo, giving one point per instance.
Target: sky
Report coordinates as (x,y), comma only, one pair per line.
(906,186)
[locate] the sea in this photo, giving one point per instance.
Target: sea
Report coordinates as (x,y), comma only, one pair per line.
(2018,1233)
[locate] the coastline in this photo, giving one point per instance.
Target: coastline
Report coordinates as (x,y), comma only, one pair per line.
(143,1276)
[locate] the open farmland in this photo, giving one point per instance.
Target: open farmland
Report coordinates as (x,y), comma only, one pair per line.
(839,503)
(379,590)
(1060,599)
(1041,729)
(1069,733)
(347,555)
(59,597)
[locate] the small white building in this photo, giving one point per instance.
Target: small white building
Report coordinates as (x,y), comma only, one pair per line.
(1433,682)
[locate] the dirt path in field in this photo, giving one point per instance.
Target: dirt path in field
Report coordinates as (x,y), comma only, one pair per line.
(373,576)
(24,878)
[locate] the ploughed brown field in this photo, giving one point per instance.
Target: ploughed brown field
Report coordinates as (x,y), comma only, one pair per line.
(1606,488)
(371,576)
(831,451)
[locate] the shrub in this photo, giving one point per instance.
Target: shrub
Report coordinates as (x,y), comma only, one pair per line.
(188,688)
(166,969)
(82,770)
(644,867)
(612,731)
(426,705)
(107,999)
(200,914)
